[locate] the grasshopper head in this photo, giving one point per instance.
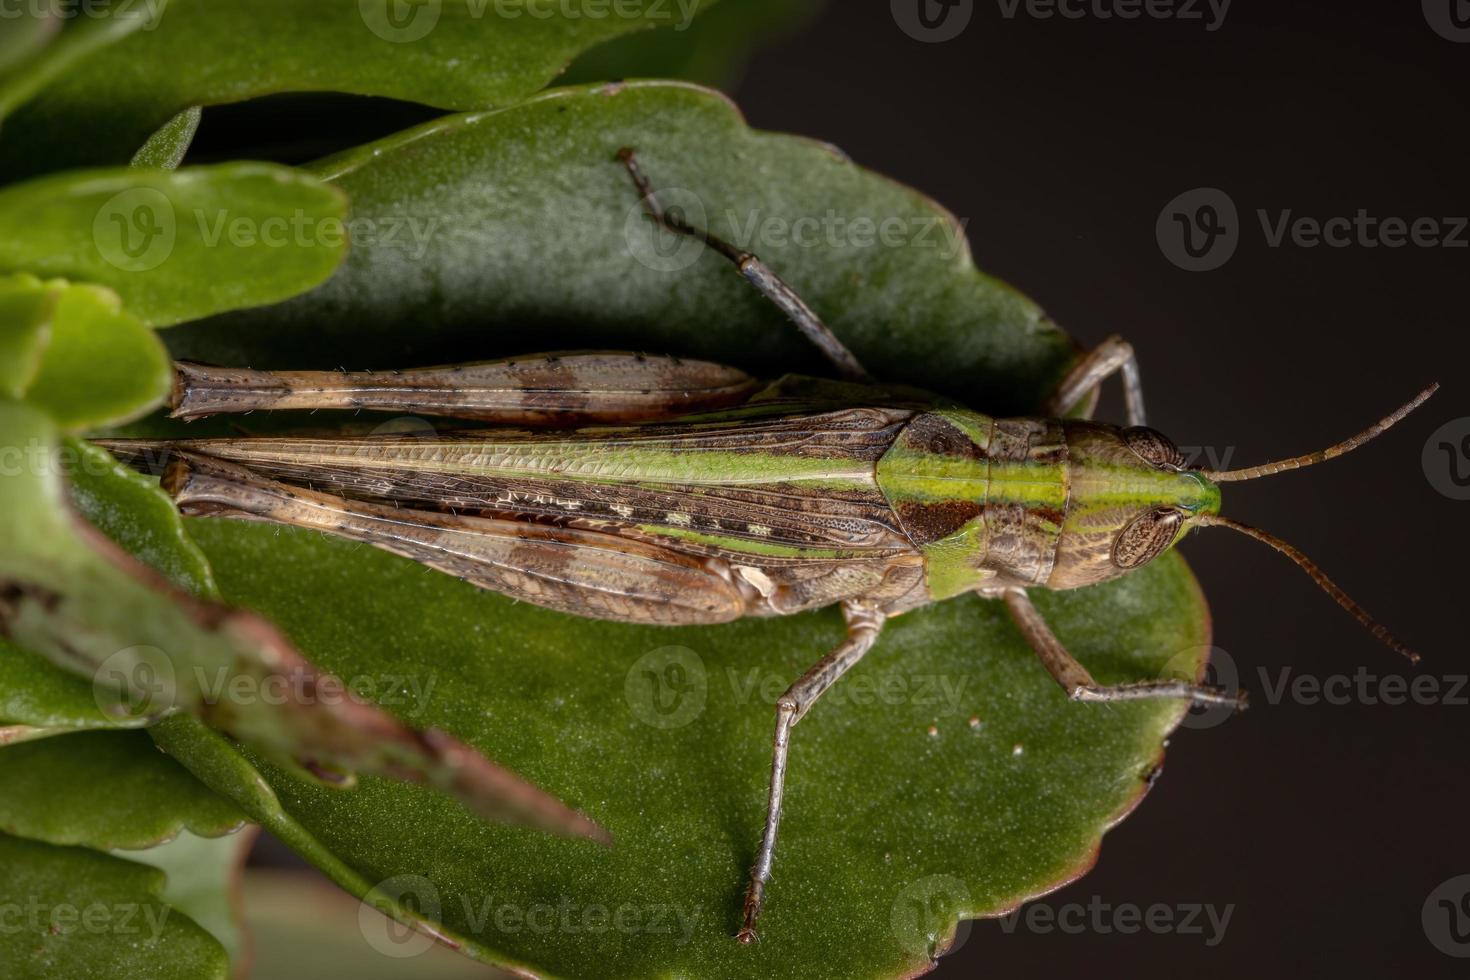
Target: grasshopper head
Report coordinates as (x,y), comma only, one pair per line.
(1131,499)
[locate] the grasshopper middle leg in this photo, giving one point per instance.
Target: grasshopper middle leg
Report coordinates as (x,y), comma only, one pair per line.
(756,272)
(1112,356)
(864,623)
(1079,684)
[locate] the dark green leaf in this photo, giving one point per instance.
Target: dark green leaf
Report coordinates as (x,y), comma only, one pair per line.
(101,366)
(105,790)
(177,245)
(204,883)
(882,816)
(519,230)
(85,914)
(165,149)
(455,54)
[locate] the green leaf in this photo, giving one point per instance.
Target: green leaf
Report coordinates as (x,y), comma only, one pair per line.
(519,230)
(891,832)
(165,149)
(37,693)
(105,790)
(28,30)
(86,914)
(134,513)
(39,58)
(879,811)
(101,366)
(130,510)
(713,50)
(25,322)
(204,883)
(455,54)
(179,245)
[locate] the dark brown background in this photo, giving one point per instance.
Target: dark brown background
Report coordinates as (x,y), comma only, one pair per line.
(1061,141)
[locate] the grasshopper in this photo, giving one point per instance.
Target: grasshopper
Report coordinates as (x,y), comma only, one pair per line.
(650,489)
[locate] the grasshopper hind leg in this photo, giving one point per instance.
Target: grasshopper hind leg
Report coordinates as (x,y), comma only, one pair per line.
(864,623)
(756,272)
(1078,683)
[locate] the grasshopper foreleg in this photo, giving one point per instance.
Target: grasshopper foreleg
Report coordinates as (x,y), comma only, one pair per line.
(863,626)
(756,272)
(1112,356)
(1079,684)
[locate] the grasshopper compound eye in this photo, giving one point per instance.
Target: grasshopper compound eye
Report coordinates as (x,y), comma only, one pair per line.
(1147,537)
(1153,447)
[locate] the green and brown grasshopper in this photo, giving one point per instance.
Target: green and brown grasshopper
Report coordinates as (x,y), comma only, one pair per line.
(658,490)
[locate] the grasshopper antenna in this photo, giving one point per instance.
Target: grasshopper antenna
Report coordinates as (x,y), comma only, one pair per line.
(1320,577)
(1321,456)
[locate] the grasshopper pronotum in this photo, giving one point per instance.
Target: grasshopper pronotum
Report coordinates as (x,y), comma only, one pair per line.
(683,492)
